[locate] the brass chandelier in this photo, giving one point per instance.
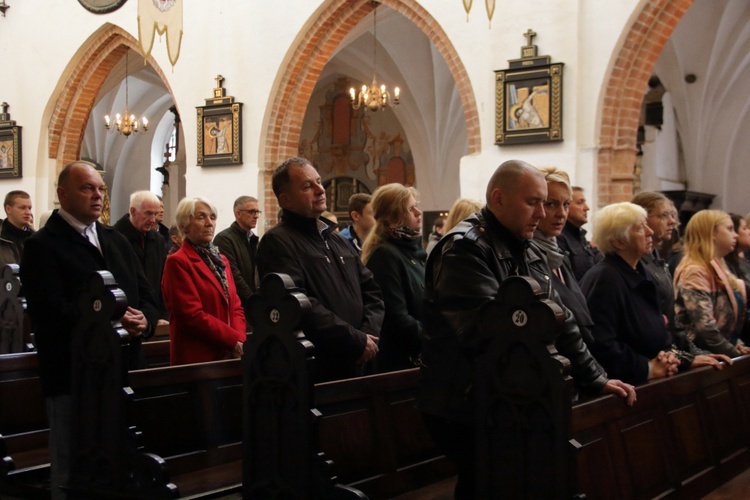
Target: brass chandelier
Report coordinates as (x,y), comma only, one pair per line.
(377,96)
(126,124)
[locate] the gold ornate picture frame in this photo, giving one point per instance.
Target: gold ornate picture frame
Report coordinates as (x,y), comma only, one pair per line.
(10,145)
(528,105)
(220,130)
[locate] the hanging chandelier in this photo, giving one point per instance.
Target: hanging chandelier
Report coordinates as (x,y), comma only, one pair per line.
(377,96)
(126,124)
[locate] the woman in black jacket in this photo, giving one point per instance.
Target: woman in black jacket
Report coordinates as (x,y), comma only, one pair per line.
(393,252)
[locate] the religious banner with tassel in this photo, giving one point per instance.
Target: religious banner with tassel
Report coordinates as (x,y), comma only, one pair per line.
(160,16)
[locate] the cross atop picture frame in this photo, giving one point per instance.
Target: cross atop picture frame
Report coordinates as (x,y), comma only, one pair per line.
(220,129)
(528,98)
(10,145)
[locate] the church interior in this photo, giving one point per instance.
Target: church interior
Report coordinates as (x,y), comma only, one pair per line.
(642,103)
(224,91)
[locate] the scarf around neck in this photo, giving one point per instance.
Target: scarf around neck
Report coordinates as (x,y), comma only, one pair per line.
(554,255)
(211,256)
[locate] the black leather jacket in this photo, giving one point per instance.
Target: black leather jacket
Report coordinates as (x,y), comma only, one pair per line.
(463,272)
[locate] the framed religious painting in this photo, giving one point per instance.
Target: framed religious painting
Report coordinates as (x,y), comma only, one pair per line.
(10,152)
(528,105)
(220,130)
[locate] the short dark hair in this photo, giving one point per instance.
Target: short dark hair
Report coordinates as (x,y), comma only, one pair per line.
(280,178)
(440,221)
(358,202)
(240,202)
(11,197)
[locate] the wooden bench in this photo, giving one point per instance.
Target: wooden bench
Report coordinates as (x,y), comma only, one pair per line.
(24,434)
(684,437)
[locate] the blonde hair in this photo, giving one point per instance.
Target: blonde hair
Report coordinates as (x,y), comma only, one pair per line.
(461,209)
(613,223)
(698,243)
(389,210)
(699,235)
(554,174)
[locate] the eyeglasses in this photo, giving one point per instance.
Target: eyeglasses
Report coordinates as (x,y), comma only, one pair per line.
(665,215)
(251,212)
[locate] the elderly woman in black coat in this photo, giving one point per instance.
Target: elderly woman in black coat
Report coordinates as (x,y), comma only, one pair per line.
(393,252)
(631,339)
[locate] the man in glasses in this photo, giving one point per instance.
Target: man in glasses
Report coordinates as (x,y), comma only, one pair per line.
(239,244)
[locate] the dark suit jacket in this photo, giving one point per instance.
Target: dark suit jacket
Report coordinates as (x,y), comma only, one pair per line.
(151,253)
(203,325)
(56,262)
(241,253)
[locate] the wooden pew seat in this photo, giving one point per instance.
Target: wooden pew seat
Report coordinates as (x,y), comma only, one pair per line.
(191,415)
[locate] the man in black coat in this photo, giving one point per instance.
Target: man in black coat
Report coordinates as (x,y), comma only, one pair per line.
(347,305)
(581,254)
(139,228)
(239,245)
(57,261)
(463,272)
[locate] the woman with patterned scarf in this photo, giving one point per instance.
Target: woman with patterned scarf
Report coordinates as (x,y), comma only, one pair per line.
(206,319)
(393,252)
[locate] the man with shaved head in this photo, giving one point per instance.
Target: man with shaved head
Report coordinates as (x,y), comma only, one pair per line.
(465,271)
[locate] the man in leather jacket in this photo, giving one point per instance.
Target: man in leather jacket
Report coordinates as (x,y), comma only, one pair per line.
(463,272)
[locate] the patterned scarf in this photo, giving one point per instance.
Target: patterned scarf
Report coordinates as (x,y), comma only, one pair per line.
(211,256)
(404,233)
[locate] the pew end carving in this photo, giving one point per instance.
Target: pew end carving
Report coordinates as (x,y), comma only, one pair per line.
(523,393)
(105,460)
(14,337)
(280,459)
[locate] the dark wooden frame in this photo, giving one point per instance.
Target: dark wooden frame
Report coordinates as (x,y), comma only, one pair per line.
(12,134)
(505,105)
(215,113)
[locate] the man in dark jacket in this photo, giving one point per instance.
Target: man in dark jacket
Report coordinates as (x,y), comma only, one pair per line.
(347,306)
(239,245)
(463,272)
(139,228)
(581,254)
(17,227)
(57,262)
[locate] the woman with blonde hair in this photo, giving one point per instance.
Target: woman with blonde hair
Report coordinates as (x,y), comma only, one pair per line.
(461,209)
(206,318)
(710,300)
(393,252)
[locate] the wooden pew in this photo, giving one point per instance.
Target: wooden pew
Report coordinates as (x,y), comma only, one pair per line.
(684,437)
(15,330)
(24,434)
(191,415)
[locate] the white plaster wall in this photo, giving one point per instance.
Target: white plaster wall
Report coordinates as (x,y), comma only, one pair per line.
(249,43)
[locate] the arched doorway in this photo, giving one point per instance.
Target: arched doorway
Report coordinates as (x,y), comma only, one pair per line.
(303,66)
(623,95)
(83,83)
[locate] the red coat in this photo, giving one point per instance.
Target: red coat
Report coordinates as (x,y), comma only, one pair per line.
(202,325)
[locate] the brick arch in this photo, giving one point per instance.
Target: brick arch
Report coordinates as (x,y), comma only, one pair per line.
(623,96)
(302,71)
(79,86)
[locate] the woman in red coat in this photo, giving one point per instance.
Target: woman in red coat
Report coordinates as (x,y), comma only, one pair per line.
(206,319)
